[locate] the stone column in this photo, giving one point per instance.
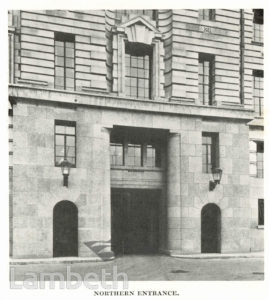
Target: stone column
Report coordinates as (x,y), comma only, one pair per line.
(173,194)
(106,201)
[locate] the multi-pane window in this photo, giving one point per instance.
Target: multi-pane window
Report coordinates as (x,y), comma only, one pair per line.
(64,61)
(138,59)
(256,158)
(260,151)
(65,142)
(136,147)
(209,151)
(148,12)
(134,156)
(260,212)
(258,91)
(207,14)
(11,57)
(206,73)
(153,156)
(116,154)
(258,25)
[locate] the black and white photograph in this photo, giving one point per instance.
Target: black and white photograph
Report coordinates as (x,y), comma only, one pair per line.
(136,147)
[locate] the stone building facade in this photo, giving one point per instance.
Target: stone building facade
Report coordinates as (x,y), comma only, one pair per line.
(143,104)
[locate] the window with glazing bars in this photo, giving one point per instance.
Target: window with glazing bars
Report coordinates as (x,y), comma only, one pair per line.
(207,14)
(138,59)
(260,212)
(153,155)
(260,151)
(206,78)
(209,151)
(256,160)
(258,91)
(152,13)
(65,142)
(64,61)
(134,155)
(116,154)
(258,25)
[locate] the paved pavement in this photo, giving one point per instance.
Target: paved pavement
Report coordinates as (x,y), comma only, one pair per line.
(158,267)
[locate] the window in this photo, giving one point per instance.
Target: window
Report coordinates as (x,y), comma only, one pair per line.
(136,147)
(206,71)
(11,57)
(65,142)
(260,151)
(153,156)
(64,61)
(140,12)
(134,156)
(258,91)
(258,25)
(138,59)
(256,158)
(207,14)
(260,212)
(116,154)
(209,151)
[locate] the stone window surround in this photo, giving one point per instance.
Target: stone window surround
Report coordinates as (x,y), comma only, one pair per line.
(129,32)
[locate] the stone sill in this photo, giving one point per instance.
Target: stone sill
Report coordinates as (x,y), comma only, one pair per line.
(256,178)
(29,81)
(260,227)
(257,43)
(137,169)
(257,121)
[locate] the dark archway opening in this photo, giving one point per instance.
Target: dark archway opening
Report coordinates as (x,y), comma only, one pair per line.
(135,221)
(211,229)
(65,229)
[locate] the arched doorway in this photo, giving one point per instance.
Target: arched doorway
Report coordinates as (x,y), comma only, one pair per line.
(65,229)
(210,229)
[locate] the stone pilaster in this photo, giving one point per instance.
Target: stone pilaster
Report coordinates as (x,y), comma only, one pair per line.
(173,194)
(106,201)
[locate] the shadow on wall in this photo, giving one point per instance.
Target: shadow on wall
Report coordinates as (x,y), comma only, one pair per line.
(99,248)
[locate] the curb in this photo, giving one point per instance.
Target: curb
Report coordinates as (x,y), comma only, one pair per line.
(73,260)
(65,260)
(220,256)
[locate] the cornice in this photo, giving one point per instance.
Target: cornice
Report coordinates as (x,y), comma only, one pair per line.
(108,101)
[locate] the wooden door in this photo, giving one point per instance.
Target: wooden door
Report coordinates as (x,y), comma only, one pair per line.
(65,229)
(211,229)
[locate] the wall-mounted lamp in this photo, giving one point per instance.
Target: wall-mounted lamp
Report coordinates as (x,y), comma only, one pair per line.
(216,174)
(65,166)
